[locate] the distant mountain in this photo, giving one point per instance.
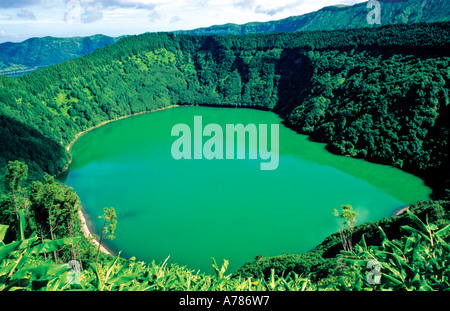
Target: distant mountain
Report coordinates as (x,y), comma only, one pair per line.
(341,17)
(36,53)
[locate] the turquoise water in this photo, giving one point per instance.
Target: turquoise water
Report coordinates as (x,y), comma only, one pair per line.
(229,209)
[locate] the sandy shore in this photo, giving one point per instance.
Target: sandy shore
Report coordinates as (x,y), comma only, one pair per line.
(85,228)
(87,233)
(400,211)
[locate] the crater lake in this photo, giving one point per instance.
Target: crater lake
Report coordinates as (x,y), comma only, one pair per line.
(197,209)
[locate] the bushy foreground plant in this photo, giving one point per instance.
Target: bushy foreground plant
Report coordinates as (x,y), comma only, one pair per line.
(24,267)
(311,264)
(420,260)
(417,261)
(138,276)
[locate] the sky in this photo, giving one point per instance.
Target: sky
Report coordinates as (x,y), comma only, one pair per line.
(23,19)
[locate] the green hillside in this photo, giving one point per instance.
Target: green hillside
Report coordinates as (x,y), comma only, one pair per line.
(341,17)
(380,94)
(36,53)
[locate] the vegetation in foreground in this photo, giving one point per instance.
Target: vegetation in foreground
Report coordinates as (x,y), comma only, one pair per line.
(40,250)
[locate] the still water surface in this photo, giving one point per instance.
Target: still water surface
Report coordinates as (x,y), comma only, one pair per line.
(193,210)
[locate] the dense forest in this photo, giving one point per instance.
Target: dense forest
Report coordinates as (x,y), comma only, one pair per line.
(380,94)
(340,17)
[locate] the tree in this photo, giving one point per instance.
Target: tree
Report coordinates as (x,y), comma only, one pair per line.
(53,205)
(346,219)
(16,172)
(15,199)
(71,206)
(109,226)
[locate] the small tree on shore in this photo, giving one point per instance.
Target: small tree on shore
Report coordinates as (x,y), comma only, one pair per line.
(346,219)
(109,225)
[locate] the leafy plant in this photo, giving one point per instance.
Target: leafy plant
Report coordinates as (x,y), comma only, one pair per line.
(419,260)
(23,268)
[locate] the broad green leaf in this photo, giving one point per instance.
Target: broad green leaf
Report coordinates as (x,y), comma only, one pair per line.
(443,244)
(42,272)
(363,242)
(383,234)
(3,229)
(417,221)
(425,287)
(98,280)
(8,249)
(50,246)
(6,269)
(111,268)
(123,279)
(415,231)
(21,214)
(443,230)
(272,279)
(358,285)
(392,279)
(356,262)
(27,242)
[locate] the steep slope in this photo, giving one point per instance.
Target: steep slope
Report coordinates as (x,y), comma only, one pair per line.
(341,17)
(375,93)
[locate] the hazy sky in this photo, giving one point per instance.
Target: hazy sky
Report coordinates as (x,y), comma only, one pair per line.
(23,19)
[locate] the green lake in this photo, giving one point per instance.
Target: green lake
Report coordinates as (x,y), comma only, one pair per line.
(194,210)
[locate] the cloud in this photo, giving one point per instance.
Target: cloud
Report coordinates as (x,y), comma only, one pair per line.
(268,11)
(89,11)
(17,4)
(244,4)
(271,11)
(25,14)
(138,4)
(111,4)
(154,16)
(266,7)
(8,4)
(174,19)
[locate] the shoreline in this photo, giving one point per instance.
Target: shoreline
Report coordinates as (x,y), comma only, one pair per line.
(88,234)
(400,211)
(77,136)
(85,228)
